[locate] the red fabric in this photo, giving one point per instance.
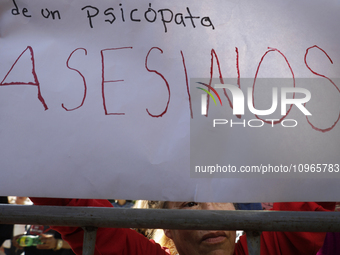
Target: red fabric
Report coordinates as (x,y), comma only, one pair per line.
(126,241)
(282,243)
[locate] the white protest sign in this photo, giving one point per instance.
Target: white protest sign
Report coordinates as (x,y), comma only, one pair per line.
(98,99)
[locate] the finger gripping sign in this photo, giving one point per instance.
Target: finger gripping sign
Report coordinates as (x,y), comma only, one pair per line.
(226,101)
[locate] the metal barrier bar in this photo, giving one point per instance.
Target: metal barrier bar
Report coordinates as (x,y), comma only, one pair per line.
(90,234)
(253,242)
(251,221)
(171,219)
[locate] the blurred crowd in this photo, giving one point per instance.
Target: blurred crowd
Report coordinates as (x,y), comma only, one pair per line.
(50,241)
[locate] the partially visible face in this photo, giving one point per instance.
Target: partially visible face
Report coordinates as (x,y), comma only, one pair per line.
(202,242)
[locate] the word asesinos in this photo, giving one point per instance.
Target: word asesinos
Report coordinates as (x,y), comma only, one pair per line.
(167,86)
(254,122)
(150,15)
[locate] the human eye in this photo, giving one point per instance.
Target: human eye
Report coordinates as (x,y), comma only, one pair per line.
(189,204)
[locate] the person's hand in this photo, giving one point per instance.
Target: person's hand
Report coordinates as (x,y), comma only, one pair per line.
(15,243)
(48,242)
